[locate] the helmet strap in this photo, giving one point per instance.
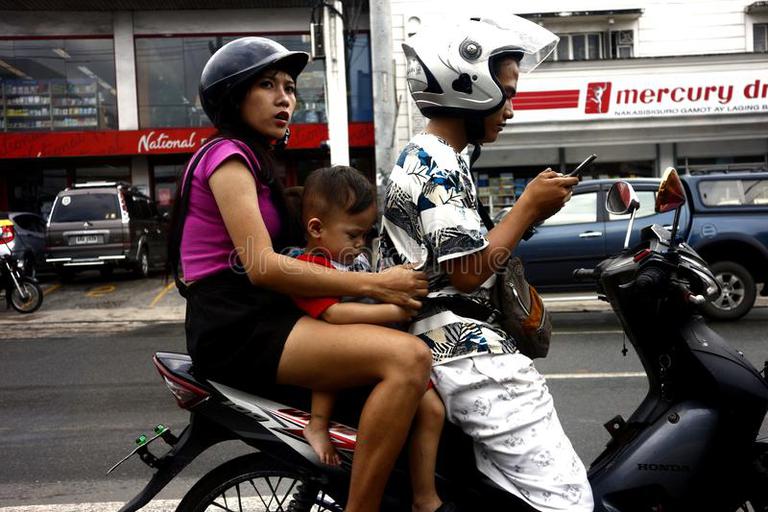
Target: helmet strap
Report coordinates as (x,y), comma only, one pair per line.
(474,128)
(476,150)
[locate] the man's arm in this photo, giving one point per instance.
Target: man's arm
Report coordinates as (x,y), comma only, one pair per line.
(359,313)
(543,197)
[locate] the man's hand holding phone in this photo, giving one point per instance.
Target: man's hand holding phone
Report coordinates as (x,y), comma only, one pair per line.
(546,194)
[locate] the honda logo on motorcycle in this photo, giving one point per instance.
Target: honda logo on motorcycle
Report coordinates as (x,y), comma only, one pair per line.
(598,98)
(676,468)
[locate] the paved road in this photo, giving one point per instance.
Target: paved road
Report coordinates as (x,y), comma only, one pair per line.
(71,403)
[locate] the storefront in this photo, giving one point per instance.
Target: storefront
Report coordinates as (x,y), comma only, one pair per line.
(107,95)
(641,116)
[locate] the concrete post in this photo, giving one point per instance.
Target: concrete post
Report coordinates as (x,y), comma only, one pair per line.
(384,94)
(336,84)
(666,157)
(140,174)
(125,71)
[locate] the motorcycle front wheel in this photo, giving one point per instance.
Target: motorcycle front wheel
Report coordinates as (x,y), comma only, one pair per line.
(254,483)
(751,507)
(28,297)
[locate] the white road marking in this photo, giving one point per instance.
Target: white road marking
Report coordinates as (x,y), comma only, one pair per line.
(616,331)
(605,375)
(249,502)
(107,506)
(570,298)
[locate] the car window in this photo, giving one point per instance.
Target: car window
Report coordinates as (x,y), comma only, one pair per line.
(153,210)
(39,225)
(144,210)
(86,207)
(138,207)
(130,205)
(647,206)
(25,222)
(734,192)
(580,209)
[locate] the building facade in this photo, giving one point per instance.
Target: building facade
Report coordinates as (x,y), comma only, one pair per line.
(112,94)
(644,84)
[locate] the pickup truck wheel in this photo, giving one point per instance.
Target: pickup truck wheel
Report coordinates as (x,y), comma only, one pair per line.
(738,292)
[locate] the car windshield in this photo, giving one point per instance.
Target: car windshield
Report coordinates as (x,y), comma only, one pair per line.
(86,207)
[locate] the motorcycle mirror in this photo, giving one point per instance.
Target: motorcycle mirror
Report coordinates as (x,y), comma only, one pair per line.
(622,199)
(671,194)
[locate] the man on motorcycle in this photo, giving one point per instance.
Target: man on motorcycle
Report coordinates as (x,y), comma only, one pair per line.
(463,79)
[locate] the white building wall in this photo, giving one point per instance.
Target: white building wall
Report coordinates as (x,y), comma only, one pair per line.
(692,27)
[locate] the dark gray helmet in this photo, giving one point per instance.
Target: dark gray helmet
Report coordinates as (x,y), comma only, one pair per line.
(237,63)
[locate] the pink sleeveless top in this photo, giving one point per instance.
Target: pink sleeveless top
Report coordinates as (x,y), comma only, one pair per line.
(205,244)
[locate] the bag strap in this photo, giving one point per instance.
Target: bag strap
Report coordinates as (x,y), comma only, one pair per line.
(483,211)
(178,228)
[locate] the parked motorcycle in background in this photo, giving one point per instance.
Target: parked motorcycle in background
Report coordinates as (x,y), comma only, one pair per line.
(22,292)
(691,445)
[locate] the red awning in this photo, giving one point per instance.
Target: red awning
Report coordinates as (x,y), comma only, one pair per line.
(151,142)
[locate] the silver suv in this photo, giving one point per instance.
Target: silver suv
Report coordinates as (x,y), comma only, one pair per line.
(102,225)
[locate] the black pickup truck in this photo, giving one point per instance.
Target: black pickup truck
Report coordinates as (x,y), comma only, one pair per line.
(725,220)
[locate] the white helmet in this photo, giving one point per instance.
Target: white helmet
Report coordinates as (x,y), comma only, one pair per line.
(449,66)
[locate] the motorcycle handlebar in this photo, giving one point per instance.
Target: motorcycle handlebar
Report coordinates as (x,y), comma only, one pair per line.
(650,278)
(584,274)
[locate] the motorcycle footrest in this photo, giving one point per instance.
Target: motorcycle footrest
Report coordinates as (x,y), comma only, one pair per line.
(615,425)
(147,457)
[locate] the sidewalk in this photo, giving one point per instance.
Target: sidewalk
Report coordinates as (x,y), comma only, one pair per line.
(128,317)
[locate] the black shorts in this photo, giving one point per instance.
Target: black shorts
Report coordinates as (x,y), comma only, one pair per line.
(236,331)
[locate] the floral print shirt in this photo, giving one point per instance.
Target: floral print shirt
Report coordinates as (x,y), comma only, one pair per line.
(430,216)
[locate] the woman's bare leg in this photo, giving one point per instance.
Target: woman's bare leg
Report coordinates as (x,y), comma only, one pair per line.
(326,357)
(427,427)
(316,431)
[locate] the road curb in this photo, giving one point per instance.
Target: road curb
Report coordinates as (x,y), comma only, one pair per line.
(71,318)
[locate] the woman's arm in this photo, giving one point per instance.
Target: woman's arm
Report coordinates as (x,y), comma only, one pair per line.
(234,190)
(543,197)
(358,313)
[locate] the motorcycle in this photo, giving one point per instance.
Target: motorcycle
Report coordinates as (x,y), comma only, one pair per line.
(22,292)
(691,445)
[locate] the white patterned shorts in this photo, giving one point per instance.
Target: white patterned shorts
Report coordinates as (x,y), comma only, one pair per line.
(504,404)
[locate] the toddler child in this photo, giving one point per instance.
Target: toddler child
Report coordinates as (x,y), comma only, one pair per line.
(338,212)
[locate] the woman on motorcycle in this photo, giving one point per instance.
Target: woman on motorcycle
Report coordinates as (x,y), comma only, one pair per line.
(242,329)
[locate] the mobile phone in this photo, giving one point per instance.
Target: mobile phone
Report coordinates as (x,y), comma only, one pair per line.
(583,165)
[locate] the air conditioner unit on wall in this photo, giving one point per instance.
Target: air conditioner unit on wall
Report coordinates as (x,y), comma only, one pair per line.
(316,41)
(626,37)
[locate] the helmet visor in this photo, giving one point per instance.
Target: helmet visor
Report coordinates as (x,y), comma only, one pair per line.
(518,35)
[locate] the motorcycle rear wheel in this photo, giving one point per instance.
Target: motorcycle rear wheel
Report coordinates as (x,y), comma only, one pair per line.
(254,483)
(33,293)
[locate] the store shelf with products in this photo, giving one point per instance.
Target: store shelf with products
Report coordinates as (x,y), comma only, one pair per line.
(497,192)
(49,104)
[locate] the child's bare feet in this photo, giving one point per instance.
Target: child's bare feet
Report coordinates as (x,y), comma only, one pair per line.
(320,441)
(426,504)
